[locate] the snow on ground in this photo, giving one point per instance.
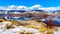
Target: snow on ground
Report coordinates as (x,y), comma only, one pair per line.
(15,30)
(18,29)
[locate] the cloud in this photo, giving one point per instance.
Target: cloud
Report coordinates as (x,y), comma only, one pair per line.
(38,7)
(2,7)
(11,7)
(35,7)
(50,8)
(19,7)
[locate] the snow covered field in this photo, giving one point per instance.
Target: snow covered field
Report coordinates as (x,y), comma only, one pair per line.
(19,29)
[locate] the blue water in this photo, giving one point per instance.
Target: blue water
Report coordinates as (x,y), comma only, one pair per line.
(57,21)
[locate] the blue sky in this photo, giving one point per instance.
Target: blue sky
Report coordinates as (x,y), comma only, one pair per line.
(44,3)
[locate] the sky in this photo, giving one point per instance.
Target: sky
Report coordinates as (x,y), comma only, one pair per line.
(44,3)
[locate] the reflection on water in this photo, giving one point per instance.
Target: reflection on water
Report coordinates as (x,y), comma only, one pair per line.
(20,18)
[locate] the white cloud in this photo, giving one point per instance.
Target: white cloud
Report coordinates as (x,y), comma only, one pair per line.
(35,6)
(50,8)
(13,7)
(22,8)
(2,7)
